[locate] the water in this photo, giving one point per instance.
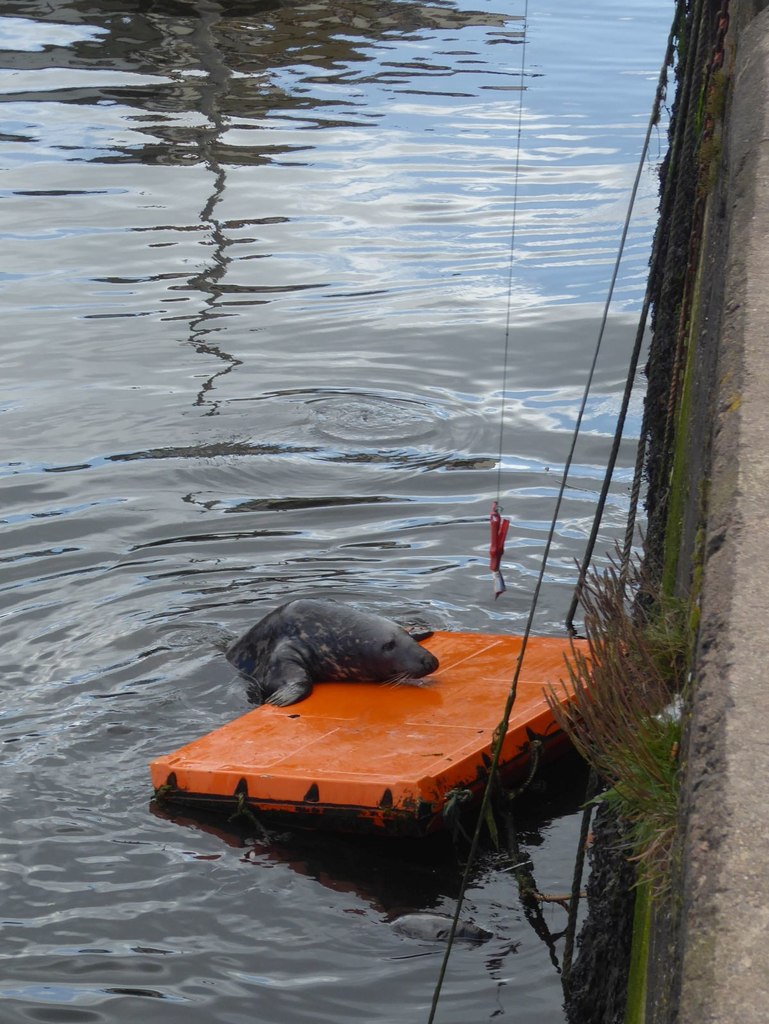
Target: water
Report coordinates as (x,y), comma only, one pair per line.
(255,270)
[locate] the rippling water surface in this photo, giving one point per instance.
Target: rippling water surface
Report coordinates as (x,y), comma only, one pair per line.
(255,275)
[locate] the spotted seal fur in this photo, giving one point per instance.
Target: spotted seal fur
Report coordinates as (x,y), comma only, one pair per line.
(308,641)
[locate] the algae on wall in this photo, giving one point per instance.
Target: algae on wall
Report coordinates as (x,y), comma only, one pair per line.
(686,291)
(681,362)
(704,391)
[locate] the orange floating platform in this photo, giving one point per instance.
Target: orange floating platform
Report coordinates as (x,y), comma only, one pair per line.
(363,757)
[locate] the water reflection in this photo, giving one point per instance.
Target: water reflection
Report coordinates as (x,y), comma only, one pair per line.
(227,61)
(403,876)
(255,266)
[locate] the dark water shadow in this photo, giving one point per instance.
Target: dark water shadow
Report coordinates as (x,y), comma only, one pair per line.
(388,873)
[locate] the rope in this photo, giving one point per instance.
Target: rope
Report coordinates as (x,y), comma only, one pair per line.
(576,884)
(635,494)
(656,248)
(654,269)
(677,229)
(502,727)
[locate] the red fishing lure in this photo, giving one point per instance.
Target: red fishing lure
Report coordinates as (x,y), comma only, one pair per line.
(499,528)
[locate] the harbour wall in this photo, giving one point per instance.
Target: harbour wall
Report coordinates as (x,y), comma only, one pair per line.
(708,511)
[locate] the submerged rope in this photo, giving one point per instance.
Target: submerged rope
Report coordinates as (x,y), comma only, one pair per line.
(576,884)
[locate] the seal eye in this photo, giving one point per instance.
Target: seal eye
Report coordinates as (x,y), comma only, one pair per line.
(389,646)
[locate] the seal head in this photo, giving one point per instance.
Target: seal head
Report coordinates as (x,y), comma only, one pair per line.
(309,641)
(437,928)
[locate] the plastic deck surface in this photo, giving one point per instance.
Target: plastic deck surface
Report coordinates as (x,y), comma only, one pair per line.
(384,753)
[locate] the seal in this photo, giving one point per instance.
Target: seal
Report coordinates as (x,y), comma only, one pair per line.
(308,641)
(437,928)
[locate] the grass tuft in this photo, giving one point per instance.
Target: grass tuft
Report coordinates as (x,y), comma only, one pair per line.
(625,716)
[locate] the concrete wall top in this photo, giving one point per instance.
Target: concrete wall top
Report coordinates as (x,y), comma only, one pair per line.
(725,963)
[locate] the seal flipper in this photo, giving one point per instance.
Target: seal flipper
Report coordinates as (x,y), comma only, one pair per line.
(290,693)
(287,679)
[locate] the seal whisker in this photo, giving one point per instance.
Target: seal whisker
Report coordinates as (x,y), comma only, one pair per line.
(395,680)
(404,678)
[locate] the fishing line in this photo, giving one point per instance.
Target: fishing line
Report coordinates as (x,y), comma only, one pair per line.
(511,259)
(499,526)
(502,727)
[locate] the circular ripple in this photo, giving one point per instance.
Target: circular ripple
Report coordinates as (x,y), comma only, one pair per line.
(425,431)
(372,416)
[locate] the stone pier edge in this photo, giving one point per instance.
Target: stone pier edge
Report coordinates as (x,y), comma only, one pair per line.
(721,973)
